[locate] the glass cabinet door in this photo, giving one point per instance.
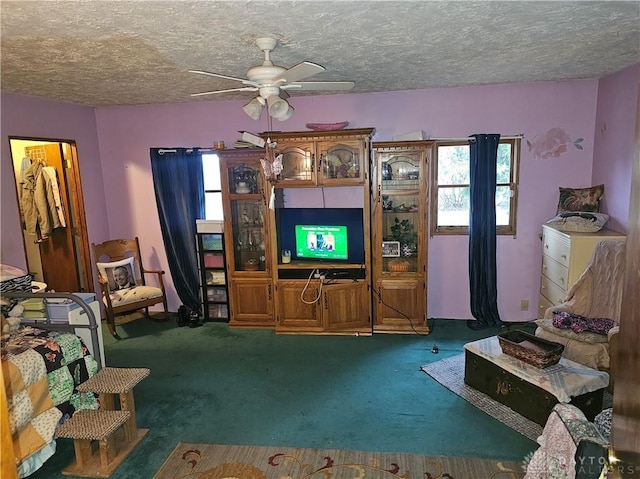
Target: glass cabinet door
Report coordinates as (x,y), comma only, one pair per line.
(247,217)
(298,164)
(340,162)
(400,198)
(247,208)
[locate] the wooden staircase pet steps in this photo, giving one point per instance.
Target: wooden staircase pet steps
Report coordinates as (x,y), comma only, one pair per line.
(109,382)
(87,426)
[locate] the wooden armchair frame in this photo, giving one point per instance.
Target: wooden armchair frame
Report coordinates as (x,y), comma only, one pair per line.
(117,250)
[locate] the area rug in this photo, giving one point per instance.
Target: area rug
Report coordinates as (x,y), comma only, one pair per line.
(450,373)
(217,461)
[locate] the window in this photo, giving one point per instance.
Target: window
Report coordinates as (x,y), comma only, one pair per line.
(450,191)
(212,187)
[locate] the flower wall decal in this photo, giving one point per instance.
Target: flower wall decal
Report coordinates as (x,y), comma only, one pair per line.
(552,144)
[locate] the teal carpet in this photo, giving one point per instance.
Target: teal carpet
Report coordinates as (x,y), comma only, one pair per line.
(218,385)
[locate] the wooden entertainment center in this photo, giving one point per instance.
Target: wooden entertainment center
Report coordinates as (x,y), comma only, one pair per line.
(274,287)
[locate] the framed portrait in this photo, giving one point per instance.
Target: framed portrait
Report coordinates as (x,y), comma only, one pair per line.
(390,249)
(119,274)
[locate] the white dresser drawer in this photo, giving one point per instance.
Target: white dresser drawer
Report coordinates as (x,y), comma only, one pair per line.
(543,305)
(557,246)
(565,255)
(552,291)
(556,272)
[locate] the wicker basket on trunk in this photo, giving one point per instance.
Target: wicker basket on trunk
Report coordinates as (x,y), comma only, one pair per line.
(528,348)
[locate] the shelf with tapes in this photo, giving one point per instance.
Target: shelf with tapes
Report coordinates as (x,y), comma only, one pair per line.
(213,275)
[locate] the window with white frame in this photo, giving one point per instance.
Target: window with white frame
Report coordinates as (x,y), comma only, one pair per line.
(450,187)
(212,187)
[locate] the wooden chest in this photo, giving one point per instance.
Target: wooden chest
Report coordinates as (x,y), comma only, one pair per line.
(523,397)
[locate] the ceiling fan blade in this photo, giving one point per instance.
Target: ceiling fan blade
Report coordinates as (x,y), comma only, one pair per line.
(298,72)
(320,85)
(218,75)
(244,88)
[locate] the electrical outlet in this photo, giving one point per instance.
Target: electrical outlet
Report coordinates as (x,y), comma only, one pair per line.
(524,305)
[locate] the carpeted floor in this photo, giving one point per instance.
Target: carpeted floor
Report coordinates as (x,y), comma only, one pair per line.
(450,373)
(214,461)
(219,385)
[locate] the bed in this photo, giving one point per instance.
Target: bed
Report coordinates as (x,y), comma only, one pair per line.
(41,367)
(41,370)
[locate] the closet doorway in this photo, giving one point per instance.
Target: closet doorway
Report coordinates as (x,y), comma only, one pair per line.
(61,259)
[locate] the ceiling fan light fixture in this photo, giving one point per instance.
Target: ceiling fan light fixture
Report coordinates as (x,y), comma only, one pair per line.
(254,107)
(287,114)
(279,108)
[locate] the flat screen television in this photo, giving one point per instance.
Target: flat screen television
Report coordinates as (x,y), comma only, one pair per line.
(322,234)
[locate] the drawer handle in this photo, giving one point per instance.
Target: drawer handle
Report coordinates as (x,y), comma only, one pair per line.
(544,266)
(561,279)
(543,287)
(563,256)
(546,246)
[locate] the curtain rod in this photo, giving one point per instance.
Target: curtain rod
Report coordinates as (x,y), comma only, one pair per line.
(505,137)
(162,151)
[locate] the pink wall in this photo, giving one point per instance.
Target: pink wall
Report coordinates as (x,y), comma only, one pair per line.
(126,134)
(615,141)
(37,118)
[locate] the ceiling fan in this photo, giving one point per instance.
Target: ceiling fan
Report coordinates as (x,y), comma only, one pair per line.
(273,83)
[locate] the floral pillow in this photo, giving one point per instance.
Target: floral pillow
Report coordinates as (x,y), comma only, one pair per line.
(580,199)
(578,324)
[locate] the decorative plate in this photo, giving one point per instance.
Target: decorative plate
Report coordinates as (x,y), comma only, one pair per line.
(328,126)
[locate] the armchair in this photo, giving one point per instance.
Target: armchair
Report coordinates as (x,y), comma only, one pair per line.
(569,447)
(596,294)
(122,280)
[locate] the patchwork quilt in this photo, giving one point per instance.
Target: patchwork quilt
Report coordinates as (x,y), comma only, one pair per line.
(41,371)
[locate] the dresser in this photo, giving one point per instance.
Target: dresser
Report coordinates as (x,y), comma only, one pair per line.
(565,256)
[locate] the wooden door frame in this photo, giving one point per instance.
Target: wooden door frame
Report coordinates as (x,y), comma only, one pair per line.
(76,198)
(626,415)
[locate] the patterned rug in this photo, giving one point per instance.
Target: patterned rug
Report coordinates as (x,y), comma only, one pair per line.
(450,373)
(215,461)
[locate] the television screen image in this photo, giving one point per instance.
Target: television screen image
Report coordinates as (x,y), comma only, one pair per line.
(321,242)
(322,234)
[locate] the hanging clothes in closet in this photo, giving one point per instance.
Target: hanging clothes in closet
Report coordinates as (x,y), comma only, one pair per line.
(52,173)
(38,201)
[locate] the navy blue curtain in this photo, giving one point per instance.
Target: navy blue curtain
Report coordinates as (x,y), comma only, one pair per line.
(483,157)
(179,186)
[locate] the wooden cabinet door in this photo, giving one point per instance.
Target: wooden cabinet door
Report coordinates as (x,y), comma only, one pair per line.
(251,302)
(401,306)
(297,309)
(346,306)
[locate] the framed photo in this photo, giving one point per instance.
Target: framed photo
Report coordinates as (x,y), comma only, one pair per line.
(390,249)
(119,274)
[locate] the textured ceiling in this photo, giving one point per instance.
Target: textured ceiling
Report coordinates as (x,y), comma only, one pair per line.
(101,53)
